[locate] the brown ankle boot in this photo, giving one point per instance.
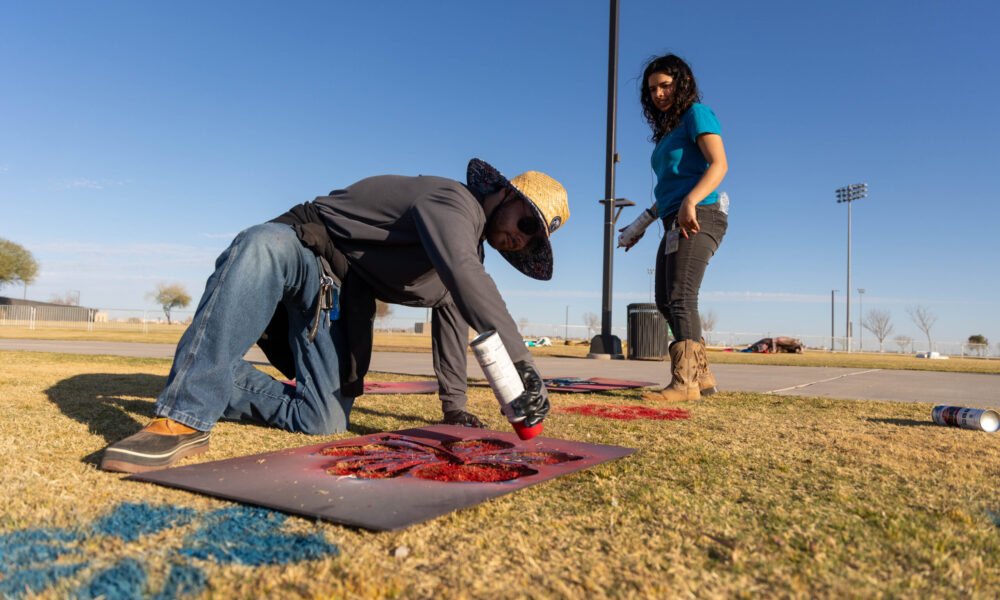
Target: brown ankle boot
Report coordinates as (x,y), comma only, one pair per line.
(706,381)
(684,375)
(158,445)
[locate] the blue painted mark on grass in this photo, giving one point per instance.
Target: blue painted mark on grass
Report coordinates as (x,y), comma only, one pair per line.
(36,580)
(183,580)
(34,560)
(252,536)
(32,546)
(123,581)
(132,521)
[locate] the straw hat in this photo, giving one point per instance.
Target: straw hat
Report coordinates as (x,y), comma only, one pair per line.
(545,195)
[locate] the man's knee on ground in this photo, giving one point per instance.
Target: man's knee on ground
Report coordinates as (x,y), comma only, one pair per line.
(325,426)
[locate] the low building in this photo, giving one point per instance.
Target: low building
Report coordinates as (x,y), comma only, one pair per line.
(12,309)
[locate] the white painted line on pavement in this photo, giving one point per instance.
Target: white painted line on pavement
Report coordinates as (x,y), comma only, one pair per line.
(796,387)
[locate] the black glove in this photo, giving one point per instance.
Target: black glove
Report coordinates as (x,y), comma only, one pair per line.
(465,419)
(533,403)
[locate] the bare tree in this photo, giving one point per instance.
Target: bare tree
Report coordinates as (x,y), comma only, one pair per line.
(522,325)
(592,321)
(924,320)
(382,312)
(903,341)
(708,321)
(67,299)
(879,322)
(170,296)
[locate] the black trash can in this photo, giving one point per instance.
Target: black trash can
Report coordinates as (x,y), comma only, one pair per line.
(648,333)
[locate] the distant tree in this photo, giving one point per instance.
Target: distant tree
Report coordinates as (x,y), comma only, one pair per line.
(170,296)
(879,323)
(67,299)
(17,265)
(903,341)
(979,344)
(924,320)
(592,321)
(708,321)
(382,312)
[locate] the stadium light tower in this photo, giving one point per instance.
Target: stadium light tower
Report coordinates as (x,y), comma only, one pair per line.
(848,194)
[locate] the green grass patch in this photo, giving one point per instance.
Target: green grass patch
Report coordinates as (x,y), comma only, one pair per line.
(755,494)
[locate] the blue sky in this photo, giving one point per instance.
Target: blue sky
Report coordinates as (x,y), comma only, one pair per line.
(139,137)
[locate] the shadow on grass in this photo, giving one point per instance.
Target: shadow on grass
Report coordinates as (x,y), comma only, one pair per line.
(362,430)
(103,402)
(903,422)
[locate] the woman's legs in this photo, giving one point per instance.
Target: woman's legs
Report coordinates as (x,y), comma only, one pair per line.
(684,270)
(678,282)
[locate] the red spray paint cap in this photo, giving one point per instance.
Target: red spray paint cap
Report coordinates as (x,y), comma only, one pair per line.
(526,433)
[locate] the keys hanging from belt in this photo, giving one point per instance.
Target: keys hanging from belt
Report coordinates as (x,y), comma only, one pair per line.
(328,299)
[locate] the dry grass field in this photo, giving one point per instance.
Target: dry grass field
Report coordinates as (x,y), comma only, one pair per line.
(752,496)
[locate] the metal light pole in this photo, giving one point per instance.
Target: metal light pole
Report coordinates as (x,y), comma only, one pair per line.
(833,347)
(848,194)
(861,320)
(607,345)
(566,335)
(651,279)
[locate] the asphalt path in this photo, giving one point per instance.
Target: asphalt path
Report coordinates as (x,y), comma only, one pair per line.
(960,389)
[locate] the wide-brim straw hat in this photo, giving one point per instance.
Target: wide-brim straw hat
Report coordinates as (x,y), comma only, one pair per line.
(546,196)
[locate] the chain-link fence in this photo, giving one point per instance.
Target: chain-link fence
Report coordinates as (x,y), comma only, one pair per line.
(90,319)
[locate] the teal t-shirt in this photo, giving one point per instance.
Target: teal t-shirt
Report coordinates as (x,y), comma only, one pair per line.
(679,163)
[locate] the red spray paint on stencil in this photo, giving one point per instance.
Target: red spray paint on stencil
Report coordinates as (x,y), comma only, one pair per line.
(470,461)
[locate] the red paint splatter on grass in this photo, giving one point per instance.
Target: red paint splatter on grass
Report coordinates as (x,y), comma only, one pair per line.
(628,413)
(478,460)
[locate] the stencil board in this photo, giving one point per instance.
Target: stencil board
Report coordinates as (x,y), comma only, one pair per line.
(388,481)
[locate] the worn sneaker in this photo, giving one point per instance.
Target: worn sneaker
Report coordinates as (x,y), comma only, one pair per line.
(156,446)
(465,419)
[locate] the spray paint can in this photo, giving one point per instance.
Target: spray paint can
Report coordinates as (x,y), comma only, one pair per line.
(980,419)
(503,378)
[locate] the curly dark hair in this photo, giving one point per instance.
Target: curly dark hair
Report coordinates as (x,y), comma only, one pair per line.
(685,94)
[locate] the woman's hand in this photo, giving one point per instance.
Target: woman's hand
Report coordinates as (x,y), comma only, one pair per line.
(687,219)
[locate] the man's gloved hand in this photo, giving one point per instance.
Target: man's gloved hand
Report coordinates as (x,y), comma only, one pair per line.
(465,419)
(533,403)
(635,230)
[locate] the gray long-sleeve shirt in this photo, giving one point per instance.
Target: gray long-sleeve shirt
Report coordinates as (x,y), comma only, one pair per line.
(418,241)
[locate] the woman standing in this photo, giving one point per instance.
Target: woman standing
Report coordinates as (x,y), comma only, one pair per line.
(690,162)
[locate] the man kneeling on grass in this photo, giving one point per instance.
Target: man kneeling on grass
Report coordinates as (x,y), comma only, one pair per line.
(304,288)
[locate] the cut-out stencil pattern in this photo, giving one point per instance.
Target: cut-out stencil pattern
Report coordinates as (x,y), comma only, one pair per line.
(476,460)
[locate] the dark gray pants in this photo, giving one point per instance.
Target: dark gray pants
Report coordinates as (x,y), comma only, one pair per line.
(679,275)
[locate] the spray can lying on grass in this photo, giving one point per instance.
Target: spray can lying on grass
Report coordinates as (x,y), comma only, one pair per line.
(979,419)
(503,378)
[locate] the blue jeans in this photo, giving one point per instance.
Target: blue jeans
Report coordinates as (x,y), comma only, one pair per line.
(679,274)
(264,266)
